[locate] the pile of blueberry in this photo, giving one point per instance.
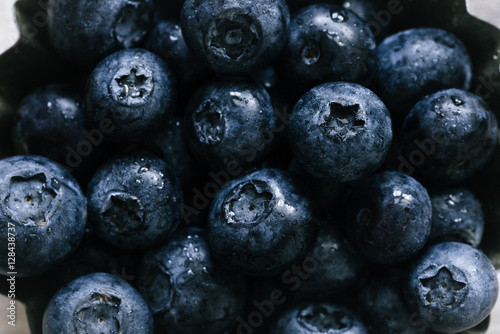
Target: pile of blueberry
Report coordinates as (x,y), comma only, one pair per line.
(247,166)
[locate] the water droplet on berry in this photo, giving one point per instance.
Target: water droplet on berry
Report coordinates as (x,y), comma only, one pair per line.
(339,17)
(143,169)
(456,101)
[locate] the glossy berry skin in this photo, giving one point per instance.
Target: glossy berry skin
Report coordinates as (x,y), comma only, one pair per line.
(331,267)
(48,119)
(388,217)
(261,223)
(230,122)
(416,62)
(134,201)
(134,90)
(447,137)
(318,318)
(327,43)
(383,306)
(97,303)
(187,291)
(84,32)
(44,208)
(457,215)
(340,131)
(452,286)
(235,37)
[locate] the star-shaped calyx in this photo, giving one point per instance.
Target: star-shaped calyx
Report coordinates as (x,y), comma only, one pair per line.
(342,121)
(132,85)
(442,289)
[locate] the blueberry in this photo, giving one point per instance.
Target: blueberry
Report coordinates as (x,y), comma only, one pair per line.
(51,122)
(382,304)
(388,217)
(318,318)
(327,43)
(44,208)
(447,137)
(47,118)
(235,37)
(417,62)
(187,290)
(97,303)
(456,216)
(134,201)
(452,286)
(340,131)
(230,122)
(167,41)
(132,91)
(85,32)
(330,267)
(261,223)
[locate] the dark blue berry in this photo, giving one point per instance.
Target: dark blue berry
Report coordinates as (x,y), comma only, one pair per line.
(457,215)
(235,37)
(417,62)
(340,131)
(44,210)
(261,223)
(327,43)
(97,303)
(388,217)
(230,122)
(452,286)
(134,91)
(134,201)
(331,267)
(47,119)
(382,304)
(447,137)
(187,291)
